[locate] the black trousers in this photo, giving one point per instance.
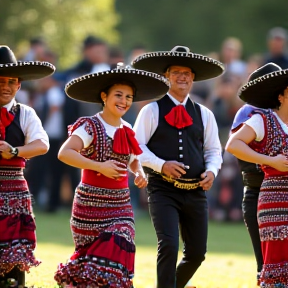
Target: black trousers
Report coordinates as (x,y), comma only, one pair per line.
(249,208)
(172,209)
(16,274)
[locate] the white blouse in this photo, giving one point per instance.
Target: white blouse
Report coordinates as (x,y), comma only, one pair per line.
(110,131)
(87,139)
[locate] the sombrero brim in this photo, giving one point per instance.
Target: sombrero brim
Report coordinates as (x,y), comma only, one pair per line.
(158,62)
(260,91)
(31,70)
(87,88)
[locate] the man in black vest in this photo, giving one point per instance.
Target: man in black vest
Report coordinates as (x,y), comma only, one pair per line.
(21,137)
(182,156)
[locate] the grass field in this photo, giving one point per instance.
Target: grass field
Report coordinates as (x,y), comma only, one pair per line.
(229,262)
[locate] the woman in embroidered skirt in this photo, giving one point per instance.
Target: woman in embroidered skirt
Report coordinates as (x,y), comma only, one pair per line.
(104,147)
(264,140)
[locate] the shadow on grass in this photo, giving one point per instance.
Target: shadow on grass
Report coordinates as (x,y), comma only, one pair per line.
(222,238)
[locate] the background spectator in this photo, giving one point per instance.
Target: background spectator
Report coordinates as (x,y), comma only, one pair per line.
(116,55)
(276,44)
(46,171)
(231,54)
(37,49)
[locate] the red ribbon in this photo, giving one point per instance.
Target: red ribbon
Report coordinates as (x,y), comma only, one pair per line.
(178,117)
(5,120)
(125,142)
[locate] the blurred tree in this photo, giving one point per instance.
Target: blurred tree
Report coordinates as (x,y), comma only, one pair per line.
(62,23)
(201,25)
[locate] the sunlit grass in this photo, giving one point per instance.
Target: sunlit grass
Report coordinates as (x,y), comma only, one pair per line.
(229,262)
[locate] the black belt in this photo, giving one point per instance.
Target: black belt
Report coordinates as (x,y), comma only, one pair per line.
(181,183)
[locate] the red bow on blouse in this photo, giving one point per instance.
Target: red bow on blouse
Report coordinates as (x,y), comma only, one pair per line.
(5,120)
(125,142)
(178,117)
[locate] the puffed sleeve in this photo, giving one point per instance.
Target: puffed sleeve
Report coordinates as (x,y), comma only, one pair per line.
(257,124)
(82,128)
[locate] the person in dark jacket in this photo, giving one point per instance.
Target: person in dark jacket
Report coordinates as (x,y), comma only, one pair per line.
(277,45)
(252,176)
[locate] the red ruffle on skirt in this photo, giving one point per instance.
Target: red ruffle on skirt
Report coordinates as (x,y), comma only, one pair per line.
(17,243)
(17,253)
(17,227)
(107,262)
(275,270)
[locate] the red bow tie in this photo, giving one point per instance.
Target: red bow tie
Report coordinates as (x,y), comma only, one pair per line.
(178,117)
(5,119)
(125,142)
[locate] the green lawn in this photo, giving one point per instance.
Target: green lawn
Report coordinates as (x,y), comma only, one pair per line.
(229,261)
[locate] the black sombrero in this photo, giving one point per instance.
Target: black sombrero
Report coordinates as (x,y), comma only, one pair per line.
(88,87)
(26,70)
(204,67)
(264,86)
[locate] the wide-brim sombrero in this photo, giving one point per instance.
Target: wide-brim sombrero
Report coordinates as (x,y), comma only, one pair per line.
(264,85)
(24,70)
(204,67)
(88,87)
(31,70)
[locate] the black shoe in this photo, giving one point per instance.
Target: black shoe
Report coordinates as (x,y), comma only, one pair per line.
(9,283)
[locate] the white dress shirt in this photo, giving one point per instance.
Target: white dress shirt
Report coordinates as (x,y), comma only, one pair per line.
(147,122)
(30,123)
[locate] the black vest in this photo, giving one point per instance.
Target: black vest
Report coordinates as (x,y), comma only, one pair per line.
(183,145)
(13,133)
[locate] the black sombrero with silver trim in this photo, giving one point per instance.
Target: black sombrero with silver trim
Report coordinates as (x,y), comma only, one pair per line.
(264,86)
(88,87)
(204,67)
(26,70)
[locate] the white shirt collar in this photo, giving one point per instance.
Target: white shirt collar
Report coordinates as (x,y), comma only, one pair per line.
(10,104)
(108,125)
(110,130)
(176,102)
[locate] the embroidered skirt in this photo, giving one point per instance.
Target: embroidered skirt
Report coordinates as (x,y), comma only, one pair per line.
(17,224)
(273,225)
(102,225)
